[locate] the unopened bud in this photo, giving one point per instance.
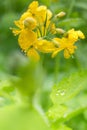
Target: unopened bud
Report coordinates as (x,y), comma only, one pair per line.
(56,43)
(30,23)
(80,34)
(61,14)
(60,30)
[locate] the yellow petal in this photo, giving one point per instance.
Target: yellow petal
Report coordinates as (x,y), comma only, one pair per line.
(26,39)
(41,14)
(19,24)
(49,14)
(69,51)
(57,50)
(80,34)
(66,54)
(15,31)
(45,46)
(25,15)
(33,6)
(32,53)
(73,35)
(52,28)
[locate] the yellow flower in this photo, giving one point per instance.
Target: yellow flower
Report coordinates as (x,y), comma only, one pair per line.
(30,23)
(64,44)
(52,28)
(35,17)
(24,16)
(20,26)
(36,30)
(20,23)
(33,54)
(33,7)
(26,39)
(15,31)
(39,12)
(74,35)
(67,43)
(45,46)
(25,21)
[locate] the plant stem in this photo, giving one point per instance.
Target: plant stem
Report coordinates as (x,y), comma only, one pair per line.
(56,69)
(71,8)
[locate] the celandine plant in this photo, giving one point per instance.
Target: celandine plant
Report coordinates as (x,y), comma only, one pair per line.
(37,33)
(26,106)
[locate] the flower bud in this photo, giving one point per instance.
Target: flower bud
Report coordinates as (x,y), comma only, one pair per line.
(30,23)
(56,43)
(61,14)
(80,34)
(60,30)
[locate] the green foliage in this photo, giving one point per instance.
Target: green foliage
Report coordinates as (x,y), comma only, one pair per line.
(50,95)
(20,118)
(69,98)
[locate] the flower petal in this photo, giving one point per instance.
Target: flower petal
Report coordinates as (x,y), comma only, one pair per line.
(66,53)
(33,7)
(45,46)
(80,34)
(32,53)
(56,51)
(26,39)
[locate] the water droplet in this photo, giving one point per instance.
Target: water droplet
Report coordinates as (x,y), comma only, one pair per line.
(65,115)
(57,94)
(1,98)
(60,92)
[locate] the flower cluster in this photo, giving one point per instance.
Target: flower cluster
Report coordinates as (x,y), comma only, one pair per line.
(37,33)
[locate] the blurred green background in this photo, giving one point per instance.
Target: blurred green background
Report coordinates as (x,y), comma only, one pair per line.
(12,58)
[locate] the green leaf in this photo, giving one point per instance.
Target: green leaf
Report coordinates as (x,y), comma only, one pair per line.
(21,118)
(69,87)
(68,98)
(71,22)
(6,91)
(63,127)
(81,5)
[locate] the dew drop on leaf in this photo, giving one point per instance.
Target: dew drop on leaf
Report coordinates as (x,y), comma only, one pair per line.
(65,115)
(60,92)
(1,98)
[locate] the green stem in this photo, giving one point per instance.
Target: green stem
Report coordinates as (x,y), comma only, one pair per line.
(71,8)
(56,69)
(40,31)
(45,23)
